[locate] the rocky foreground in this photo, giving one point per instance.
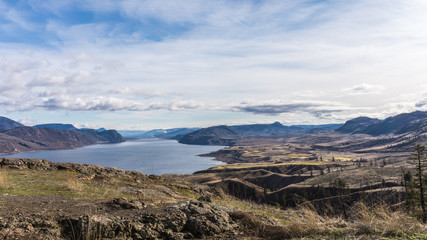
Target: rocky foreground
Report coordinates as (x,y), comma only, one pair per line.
(157,212)
(116,219)
(40,199)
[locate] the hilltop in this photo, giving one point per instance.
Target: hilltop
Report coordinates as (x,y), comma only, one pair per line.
(57,126)
(6,123)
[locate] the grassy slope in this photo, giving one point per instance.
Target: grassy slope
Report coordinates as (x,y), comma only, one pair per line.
(300,223)
(71,184)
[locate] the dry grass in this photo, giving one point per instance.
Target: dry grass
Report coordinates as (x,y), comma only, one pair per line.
(261,165)
(3,180)
(74,184)
(341,159)
(306,222)
(381,220)
(378,222)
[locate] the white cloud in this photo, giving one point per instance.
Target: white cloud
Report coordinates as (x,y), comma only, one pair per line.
(363,89)
(68,103)
(317,108)
(324,57)
(62,79)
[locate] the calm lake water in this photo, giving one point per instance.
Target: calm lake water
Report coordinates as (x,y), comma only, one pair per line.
(147,156)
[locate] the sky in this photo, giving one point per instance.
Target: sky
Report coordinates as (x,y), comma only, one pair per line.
(145,64)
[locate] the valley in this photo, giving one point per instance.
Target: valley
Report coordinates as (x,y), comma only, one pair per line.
(277,182)
(212,120)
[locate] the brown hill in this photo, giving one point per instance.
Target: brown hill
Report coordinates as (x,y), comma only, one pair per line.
(218,135)
(23,139)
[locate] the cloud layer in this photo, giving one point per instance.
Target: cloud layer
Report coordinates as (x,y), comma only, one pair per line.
(268,60)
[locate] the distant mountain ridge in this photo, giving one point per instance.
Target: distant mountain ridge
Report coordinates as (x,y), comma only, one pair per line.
(57,126)
(414,122)
(275,128)
(409,126)
(173,133)
(229,135)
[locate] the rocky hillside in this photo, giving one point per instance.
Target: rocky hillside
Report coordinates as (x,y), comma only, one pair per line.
(22,139)
(93,202)
(72,201)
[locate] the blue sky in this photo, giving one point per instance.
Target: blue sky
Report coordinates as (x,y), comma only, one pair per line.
(161,64)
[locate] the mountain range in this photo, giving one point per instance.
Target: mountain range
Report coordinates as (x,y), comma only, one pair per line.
(402,129)
(15,137)
(229,135)
(173,133)
(400,124)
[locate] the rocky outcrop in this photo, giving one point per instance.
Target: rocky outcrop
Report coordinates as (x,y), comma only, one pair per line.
(184,220)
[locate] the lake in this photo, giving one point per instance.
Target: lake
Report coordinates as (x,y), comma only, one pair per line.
(145,155)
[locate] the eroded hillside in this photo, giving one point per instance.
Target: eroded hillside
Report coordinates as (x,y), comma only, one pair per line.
(44,200)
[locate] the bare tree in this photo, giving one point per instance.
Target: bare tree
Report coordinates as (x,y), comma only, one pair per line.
(419,157)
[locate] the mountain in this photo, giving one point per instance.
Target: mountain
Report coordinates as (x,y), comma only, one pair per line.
(400,124)
(358,125)
(266,129)
(11,144)
(57,126)
(176,133)
(173,133)
(106,136)
(228,135)
(30,139)
(16,137)
(317,128)
(6,123)
(131,133)
(217,135)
